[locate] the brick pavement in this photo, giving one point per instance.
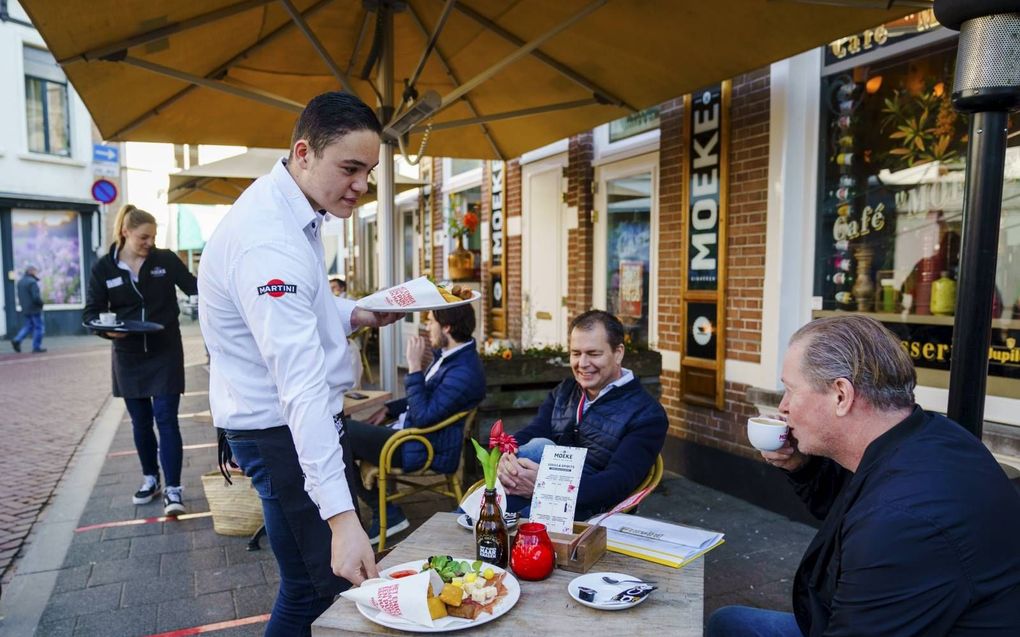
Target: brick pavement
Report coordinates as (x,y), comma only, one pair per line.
(48,402)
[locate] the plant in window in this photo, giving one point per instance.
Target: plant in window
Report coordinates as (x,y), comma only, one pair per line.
(924,125)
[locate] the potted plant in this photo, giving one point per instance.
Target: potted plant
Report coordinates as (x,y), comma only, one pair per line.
(461,262)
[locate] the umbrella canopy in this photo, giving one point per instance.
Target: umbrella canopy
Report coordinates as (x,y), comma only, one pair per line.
(220,182)
(509,75)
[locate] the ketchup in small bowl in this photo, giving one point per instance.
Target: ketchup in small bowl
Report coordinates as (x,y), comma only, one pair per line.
(399,574)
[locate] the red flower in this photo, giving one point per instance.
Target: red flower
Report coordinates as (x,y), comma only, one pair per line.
(497,438)
(470,221)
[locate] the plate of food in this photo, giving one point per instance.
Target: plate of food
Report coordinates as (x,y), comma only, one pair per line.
(465,521)
(598,590)
(418,295)
(470,593)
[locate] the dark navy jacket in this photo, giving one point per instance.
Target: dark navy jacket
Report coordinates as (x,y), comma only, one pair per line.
(28,295)
(459,385)
(921,540)
(624,431)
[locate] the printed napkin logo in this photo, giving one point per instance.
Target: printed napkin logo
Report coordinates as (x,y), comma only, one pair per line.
(277,288)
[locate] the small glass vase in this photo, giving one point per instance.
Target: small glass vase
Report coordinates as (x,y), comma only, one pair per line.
(532,556)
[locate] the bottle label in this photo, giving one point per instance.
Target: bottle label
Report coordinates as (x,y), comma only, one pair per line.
(487,552)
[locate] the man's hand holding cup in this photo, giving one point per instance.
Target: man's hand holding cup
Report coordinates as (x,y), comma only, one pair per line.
(772,437)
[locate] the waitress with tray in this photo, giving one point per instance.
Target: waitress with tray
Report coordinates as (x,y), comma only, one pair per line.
(136,281)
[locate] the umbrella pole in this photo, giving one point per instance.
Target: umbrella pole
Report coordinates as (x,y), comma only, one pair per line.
(972,326)
(386,217)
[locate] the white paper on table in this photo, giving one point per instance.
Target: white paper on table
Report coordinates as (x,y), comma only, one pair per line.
(404,598)
(658,537)
(555,497)
(416,292)
(472,504)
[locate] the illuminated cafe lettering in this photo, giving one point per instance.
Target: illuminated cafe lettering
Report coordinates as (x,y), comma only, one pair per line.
(704,186)
(496,234)
(854,44)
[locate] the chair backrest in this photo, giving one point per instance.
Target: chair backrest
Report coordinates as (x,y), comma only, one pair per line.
(652,480)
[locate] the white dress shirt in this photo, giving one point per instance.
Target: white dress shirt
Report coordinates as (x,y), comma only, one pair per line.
(276,334)
(625,377)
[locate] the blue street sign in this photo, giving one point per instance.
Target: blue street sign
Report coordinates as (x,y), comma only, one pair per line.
(102,152)
(104,191)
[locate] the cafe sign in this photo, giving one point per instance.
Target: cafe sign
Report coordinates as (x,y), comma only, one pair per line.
(706,175)
(497,250)
(890,33)
(930,347)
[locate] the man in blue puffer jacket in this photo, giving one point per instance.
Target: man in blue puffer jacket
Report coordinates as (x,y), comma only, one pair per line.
(454,382)
(603,408)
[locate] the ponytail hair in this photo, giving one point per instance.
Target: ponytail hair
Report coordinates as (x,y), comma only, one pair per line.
(129,217)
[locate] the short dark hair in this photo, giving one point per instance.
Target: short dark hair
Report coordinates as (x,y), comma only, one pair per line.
(343,284)
(591,318)
(330,116)
(460,320)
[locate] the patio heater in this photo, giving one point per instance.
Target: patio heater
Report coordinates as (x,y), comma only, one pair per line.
(986,86)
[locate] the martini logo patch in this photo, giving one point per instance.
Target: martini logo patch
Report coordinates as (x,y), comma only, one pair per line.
(277,288)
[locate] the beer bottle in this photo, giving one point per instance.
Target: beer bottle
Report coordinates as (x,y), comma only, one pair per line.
(492,542)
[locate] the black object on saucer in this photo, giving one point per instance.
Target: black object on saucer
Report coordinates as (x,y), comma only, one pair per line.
(127,327)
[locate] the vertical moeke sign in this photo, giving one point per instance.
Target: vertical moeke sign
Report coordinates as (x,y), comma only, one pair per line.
(706,177)
(497,251)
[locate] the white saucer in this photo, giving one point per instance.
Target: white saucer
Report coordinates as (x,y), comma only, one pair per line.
(603,591)
(96,323)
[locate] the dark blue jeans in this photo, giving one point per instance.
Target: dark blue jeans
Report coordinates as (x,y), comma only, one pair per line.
(744,621)
(298,603)
(169,446)
(34,325)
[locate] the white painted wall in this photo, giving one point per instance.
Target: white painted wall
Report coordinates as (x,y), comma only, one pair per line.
(36,174)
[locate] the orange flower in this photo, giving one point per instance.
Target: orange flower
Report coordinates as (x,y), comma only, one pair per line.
(470,221)
(507,354)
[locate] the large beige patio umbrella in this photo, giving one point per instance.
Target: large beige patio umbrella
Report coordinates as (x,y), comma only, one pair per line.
(496,77)
(221,181)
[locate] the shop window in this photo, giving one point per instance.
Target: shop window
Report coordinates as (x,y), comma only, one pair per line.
(891,204)
(51,241)
(628,253)
(46,104)
(634,124)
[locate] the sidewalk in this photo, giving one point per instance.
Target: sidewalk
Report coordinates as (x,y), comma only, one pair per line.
(127,573)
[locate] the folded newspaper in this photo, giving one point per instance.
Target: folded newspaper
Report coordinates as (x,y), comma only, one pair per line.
(656,541)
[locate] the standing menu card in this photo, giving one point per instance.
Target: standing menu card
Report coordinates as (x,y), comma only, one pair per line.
(555,498)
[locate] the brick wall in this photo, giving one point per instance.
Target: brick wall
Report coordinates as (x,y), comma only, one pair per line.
(580,241)
(438,218)
(513,252)
(748,194)
(748,190)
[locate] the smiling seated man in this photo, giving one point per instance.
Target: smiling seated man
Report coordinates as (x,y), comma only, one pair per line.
(603,408)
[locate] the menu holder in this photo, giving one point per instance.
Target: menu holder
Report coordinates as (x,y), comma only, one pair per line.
(586,553)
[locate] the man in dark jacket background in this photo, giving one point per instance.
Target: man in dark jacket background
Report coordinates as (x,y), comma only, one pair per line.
(30,300)
(454,382)
(603,408)
(920,522)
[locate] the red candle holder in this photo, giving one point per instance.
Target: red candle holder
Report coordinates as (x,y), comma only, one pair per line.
(532,556)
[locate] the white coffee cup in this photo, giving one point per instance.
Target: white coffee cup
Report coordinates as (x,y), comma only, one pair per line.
(107,318)
(767,434)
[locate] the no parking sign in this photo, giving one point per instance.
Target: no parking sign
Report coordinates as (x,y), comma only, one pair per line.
(104,191)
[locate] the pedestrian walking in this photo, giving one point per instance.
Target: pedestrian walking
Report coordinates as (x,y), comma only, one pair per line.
(137,281)
(279,363)
(30,300)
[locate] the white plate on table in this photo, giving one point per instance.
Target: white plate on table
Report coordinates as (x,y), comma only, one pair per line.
(385,307)
(513,593)
(603,590)
(465,522)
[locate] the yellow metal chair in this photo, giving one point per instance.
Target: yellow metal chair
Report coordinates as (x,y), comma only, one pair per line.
(450,486)
(652,480)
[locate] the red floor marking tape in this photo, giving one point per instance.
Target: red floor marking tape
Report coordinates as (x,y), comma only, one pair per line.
(131,452)
(162,518)
(208,628)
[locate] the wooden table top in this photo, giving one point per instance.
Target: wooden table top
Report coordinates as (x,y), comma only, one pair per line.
(545,608)
(373,401)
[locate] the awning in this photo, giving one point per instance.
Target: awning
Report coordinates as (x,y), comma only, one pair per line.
(510,75)
(222,181)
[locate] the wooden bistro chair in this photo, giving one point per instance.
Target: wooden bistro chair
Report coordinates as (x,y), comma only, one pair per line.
(449,486)
(652,480)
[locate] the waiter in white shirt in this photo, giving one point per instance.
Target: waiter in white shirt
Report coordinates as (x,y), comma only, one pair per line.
(279,363)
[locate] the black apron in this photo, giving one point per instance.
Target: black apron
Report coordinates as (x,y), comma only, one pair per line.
(312,533)
(157,372)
